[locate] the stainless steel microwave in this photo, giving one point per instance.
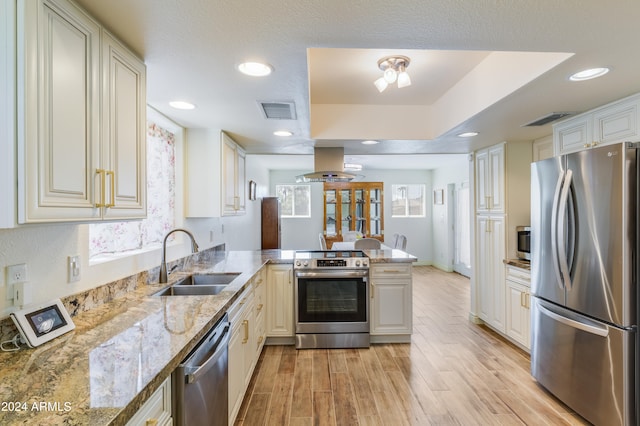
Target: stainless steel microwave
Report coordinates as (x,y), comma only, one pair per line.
(523,250)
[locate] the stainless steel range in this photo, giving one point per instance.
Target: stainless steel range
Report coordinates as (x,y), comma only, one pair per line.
(332,299)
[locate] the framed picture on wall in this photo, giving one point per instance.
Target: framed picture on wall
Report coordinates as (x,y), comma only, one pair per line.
(438,196)
(252,190)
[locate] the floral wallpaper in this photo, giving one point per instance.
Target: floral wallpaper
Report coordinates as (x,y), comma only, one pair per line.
(117,237)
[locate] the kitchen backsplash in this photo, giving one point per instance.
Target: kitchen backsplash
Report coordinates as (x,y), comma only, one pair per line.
(91,299)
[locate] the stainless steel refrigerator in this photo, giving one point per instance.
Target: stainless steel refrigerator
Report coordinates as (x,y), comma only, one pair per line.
(584,272)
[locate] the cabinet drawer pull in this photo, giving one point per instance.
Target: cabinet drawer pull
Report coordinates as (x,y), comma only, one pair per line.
(151,422)
(245,324)
(260,306)
(243,301)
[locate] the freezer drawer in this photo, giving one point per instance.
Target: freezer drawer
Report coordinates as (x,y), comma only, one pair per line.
(588,365)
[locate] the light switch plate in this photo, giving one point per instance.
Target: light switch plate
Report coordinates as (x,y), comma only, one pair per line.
(73,268)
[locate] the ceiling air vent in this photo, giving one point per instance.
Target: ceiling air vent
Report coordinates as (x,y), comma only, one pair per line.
(547,119)
(278,110)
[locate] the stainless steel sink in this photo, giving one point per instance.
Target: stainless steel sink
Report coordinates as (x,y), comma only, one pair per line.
(208,279)
(191,290)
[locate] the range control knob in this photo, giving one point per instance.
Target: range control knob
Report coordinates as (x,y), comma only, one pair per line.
(306,263)
(357,263)
(297,263)
(364,263)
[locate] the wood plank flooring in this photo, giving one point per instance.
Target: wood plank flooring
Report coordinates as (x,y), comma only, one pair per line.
(453,373)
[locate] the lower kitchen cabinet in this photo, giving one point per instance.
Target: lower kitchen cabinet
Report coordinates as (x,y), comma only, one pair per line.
(490,242)
(157,409)
(518,306)
(390,302)
(280,301)
(242,355)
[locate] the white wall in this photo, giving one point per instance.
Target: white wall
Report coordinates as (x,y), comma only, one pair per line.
(302,233)
(446,178)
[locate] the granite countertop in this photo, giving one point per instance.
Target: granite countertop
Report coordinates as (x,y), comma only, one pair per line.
(519,263)
(122,351)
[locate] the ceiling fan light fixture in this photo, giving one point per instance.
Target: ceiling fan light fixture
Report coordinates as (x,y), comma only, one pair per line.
(394,68)
(381,84)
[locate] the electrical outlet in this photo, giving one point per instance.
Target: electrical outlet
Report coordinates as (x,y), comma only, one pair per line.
(73,268)
(16,273)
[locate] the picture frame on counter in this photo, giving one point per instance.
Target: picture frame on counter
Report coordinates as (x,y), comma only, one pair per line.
(252,190)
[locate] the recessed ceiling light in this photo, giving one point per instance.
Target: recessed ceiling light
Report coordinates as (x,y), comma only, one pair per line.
(182,105)
(369,142)
(467,134)
(353,166)
(282,133)
(255,69)
(589,74)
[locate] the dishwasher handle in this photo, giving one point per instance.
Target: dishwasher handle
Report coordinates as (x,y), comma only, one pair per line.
(193,373)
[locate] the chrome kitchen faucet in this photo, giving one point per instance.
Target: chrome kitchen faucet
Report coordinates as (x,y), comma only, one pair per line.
(163,265)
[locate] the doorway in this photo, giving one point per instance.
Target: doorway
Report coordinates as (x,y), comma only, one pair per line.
(462,230)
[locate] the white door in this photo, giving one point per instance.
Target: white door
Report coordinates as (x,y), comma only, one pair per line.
(462,231)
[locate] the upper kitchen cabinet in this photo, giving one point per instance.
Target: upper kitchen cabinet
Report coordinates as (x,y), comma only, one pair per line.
(490,179)
(215,174)
(73,164)
(612,123)
(233,177)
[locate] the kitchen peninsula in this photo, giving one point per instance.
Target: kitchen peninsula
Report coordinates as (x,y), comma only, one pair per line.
(123,351)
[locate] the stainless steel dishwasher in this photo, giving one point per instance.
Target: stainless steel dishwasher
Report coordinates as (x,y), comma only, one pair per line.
(200,383)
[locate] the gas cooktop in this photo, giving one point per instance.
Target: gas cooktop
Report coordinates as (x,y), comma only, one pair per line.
(328,254)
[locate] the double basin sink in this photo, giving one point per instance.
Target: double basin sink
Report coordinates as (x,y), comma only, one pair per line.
(199,284)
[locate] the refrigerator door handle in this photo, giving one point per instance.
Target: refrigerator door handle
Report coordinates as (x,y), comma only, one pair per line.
(554,233)
(589,328)
(560,235)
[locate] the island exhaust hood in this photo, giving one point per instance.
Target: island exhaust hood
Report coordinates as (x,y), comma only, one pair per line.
(328,167)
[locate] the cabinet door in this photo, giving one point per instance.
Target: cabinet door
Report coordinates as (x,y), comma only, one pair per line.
(391,299)
(482,181)
(573,135)
(375,228)
(124,131)
(58,120)
(280,304)
(617,123)
(240,182)
(490,240)
(496,179)
(518,313)
(228,176)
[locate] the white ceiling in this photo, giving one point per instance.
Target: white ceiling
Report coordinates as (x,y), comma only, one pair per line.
(325,56)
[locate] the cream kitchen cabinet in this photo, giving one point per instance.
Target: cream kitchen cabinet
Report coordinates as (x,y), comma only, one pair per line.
(233,177)
(157,410)
(280,303)
(391,302)
(490,177)
(615,122)
(518,299)
(490,251)
(242,355)
(73,163)
(215,174)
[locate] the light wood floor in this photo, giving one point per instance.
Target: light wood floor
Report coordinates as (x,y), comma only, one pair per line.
(453,373)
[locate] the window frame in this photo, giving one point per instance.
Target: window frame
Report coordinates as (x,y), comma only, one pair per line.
(292,186)
(406,215)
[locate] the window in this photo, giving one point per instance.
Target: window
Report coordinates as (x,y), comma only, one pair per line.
(407,200)
(117,237)
(295,200)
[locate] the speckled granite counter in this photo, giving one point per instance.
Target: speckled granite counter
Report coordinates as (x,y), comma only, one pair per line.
(519,263)
(122,351)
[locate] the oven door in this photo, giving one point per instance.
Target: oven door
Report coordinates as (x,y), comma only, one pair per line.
(334,301)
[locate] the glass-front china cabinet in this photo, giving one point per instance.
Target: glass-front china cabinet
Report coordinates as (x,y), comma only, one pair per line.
(353,207)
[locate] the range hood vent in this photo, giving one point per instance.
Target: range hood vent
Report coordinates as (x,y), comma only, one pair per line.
(553,116)
(278,110)
(328,167)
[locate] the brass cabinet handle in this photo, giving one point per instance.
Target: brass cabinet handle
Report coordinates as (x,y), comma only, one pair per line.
(260,307)
(103,186)
(151,422)
(112,174)
(245,324)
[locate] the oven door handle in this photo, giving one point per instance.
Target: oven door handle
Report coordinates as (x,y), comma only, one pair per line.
(332,274)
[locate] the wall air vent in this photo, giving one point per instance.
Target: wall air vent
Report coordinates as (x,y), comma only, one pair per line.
(278,110)
(546,119)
